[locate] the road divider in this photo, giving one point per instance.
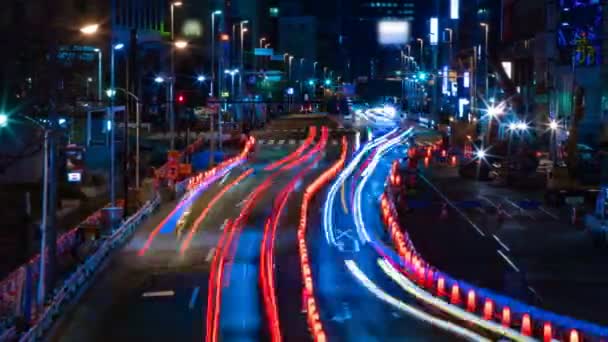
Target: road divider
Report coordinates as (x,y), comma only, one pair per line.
(267,279)
(488,310)
(309,302)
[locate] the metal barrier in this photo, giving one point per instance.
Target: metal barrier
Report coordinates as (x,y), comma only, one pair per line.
(86,270)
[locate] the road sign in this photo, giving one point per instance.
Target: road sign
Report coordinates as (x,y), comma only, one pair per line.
(574,200)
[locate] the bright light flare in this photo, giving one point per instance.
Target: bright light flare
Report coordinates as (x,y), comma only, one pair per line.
(90,29)
(553,125)
(180,44)
(3,120)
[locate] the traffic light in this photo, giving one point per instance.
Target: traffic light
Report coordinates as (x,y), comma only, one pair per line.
(181,99)
(422,75)
(327,82)
(311,82)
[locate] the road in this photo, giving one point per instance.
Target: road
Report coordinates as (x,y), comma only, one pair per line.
(350,311)
(155,287)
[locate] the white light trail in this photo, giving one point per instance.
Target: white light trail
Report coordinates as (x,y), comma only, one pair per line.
(408,309)
(450,309)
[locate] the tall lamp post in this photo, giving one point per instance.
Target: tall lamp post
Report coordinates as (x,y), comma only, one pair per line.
(451,36)
(171,104)
(242,64)
(421,41)
(290,59)
(213,14)
(486,26)
(262,41)
(47,165)
(90,30)
(110,93)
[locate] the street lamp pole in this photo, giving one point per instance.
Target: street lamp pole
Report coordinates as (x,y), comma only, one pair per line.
(451,32)
(290,59)
(486,26)
(213,14)
(314,69)
(242,64)
(99,75)
(421,41)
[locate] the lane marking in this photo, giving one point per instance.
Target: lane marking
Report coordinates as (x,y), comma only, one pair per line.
(344,207)
(225,177)
(447,200)
(193,297)
(210,254)
(168,293)
(281,142)
(292,141)
(508,261)
(495,205)
(521,210)
(223,226)
(506,248)
(262,141)
(271,142)
(555,217)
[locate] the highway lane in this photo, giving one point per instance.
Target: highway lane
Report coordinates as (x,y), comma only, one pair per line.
(350,312)
(162,294)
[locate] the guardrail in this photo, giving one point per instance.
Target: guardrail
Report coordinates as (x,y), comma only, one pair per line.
(485,305)
(12,285)
(86,270)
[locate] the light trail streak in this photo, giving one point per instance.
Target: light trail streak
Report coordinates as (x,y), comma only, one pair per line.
(328,224)
(408,309)
(312,132)
(452,310)
(366,174)
(267,247)
(195,226)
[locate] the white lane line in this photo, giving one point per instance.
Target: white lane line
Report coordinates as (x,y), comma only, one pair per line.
(271,142)
(508,261)
(555,217)
(210,254)
(447,200)
(495,205)
(292,141)
(168,293)
(521,210)
(224,224)
(281,142)
(193,297)
(501,243)
(302,141)
(225,177)
(334,142)
(261,142)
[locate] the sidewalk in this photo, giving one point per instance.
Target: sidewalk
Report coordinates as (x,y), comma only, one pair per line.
(558,261)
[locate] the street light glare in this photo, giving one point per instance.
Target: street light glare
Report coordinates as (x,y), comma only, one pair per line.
(119,46)
(201,78)
(553,125)
(177,3)
(181,44)
(3,120)
(494,111)
(90,29)
(218,12)
(159,79)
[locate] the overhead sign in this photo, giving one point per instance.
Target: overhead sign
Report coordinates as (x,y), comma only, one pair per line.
(277,58)
(263,52)
(74,177)
(434,31)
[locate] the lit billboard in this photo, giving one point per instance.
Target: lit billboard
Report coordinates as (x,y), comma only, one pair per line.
(393,32)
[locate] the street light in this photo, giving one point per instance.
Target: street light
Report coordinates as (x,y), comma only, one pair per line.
(314,69)
(451,32)
(486,26)
(290,59)
(180,44)
(89,29)
(201,78)
(159,79)
(553,125)
(421,41)
(213,14)
(232,73)
(41,290)
(262,41)
(242,55)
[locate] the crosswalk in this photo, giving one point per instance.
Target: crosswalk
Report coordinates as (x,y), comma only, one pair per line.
(305,130)
(333,142)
